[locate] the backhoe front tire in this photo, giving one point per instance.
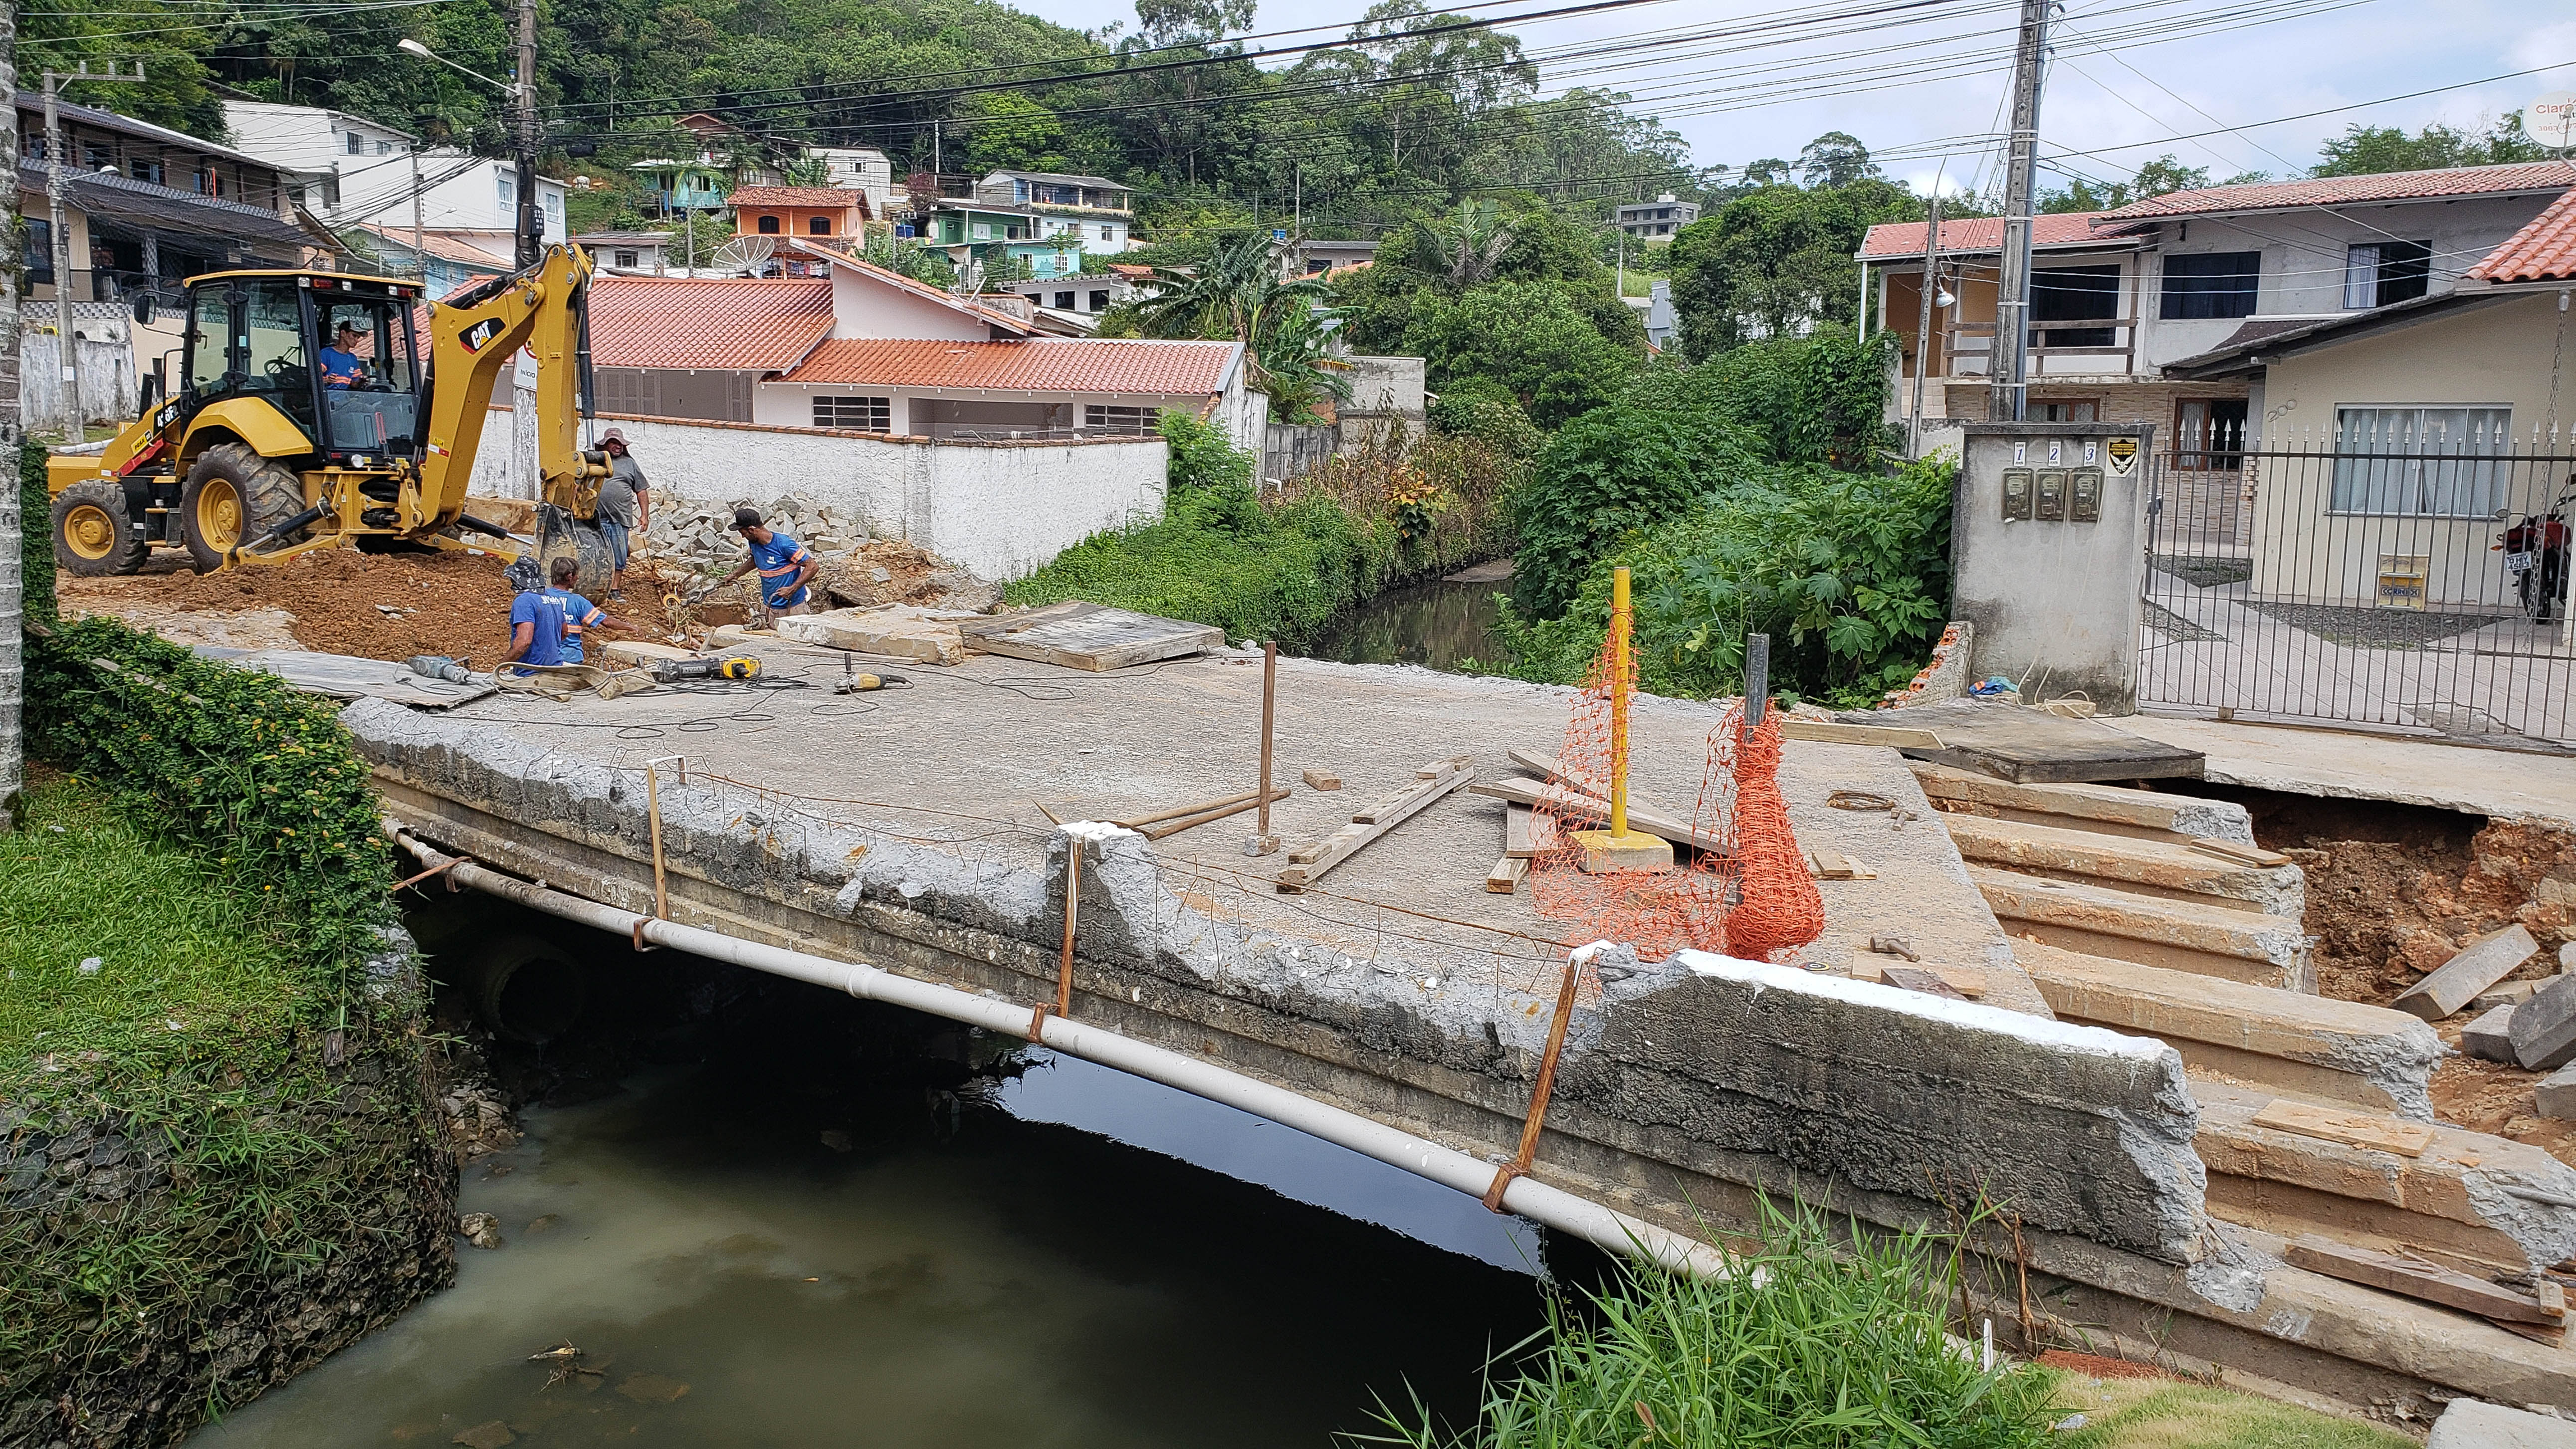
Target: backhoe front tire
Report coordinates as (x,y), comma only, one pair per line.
(93,534)
(233,497)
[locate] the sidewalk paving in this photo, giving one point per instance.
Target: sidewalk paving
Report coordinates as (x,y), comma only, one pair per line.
(2511,784)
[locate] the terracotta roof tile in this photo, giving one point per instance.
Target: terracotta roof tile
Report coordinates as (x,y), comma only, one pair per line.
(2544,251)
(2341,190)
(841,257)
(808,196)
(733,324)
(1157,369)
(1981,234)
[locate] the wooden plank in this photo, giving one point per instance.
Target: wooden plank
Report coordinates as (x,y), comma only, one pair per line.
(1834,865)
(2416,1278)
(1322,780)
(2353,1129)
(1134,822)
(2030,746)
(1915,978)
(1218,812)
(1438,768)
(1399,804)
(1520,789)
(1308,864)
(1507,874)
(1835,732)
(1546,767)
(1095,637)
(2230,850)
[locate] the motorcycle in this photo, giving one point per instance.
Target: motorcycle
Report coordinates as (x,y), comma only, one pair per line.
(2535,553)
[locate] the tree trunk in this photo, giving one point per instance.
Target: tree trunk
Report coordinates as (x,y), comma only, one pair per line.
(13,666)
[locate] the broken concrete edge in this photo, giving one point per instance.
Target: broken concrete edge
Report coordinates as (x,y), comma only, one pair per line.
(2096,1136)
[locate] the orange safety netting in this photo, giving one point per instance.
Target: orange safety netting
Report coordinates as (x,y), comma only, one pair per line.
(1741,888)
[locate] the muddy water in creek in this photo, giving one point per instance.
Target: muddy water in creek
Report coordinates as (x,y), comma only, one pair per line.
(1439,624)
(1066,1257)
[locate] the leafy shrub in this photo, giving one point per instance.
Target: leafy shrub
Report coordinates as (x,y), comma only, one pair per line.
(1815,1344)
(1204,460)
(1604,475)
(1486,411)
(1848,573)
(1530,337)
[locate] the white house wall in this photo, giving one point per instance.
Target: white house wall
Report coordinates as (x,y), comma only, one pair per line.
(866,306)
(1002,510)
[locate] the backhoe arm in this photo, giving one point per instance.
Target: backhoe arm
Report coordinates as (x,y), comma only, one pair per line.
(472,344)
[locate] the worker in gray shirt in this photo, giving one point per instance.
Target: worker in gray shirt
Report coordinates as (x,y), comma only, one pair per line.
(625,507)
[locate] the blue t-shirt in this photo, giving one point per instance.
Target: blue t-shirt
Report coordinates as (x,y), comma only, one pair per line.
(559,616)
(779,561)
(341,369)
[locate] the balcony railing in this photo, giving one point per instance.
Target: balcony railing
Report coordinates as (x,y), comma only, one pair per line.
(1968,348)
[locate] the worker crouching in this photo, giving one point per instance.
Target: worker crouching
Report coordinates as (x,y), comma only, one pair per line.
(786,566)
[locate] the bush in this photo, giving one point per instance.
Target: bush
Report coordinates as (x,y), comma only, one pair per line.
(1814,1344)
(1530,337)
(1204,460)
(1848,573)
(1486,411)
(1607,474)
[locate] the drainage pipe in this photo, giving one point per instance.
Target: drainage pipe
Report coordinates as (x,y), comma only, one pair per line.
(1553,1207)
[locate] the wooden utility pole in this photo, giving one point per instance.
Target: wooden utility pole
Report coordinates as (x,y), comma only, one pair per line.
(57,192)
(2008,366)
(532,230)
(13,525)
(1923,323)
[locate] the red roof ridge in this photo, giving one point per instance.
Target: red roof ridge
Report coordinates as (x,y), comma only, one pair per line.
(797,196)
(1132,366)
(916,287)
(2508,176)
(1984,234)
(2543,251)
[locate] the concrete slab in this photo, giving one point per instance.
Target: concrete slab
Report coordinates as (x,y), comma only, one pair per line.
(2477,1424)
(2143,866)
(2478,965)
(2109,809)
(2556,1095)
(967,754)
(2490,1037)
(2178,935)
(2505,784)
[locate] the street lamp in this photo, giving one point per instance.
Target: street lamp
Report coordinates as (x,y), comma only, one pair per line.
(507,88)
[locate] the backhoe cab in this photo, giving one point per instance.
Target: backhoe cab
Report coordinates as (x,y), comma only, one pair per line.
(318,408)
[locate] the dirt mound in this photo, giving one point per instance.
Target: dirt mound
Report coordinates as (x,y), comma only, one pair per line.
(378,606)
(885,572)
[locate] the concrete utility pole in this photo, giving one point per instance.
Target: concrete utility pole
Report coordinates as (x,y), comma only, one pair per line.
(532,230)
(419,256)
(57,192)
(13,663)
(1923,325)
(2009,363)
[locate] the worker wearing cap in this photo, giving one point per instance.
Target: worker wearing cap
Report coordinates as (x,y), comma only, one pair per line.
(625,508)
(546,625)
(785,565)
(342,367)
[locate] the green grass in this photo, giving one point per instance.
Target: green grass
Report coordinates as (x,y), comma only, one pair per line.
(1818,1344)
(184,957)
(2163,1414)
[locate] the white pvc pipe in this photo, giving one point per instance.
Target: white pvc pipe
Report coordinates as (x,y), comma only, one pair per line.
(1553,1207)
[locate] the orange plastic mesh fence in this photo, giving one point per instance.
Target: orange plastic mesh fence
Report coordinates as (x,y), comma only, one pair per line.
(1751,898)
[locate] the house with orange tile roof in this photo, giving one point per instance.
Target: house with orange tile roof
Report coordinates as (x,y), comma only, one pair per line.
(798,211)
(864,349)
(2118,296)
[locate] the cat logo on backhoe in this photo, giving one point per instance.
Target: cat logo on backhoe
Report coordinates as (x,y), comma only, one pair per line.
(473,338)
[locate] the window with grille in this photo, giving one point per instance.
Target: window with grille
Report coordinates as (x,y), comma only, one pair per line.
(2378,273)
(1099,302)
(626,259)
(2437,462)
(357,144)
(855,414)
(1064,301)
(1134,422)
(2212,284)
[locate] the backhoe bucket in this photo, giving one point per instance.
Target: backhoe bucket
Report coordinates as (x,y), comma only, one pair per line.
(559,535)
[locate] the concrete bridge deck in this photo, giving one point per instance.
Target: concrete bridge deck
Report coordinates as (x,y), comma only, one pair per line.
(903,828)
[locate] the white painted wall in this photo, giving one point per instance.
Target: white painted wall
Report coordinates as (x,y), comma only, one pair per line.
(870,306)
(860,168)
(1003,510)
(791,405)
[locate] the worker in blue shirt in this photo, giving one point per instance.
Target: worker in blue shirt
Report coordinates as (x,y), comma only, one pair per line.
(546,625)
(342,367)
(785,565)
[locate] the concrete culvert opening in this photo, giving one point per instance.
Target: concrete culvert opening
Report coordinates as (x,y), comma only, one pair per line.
(526,990)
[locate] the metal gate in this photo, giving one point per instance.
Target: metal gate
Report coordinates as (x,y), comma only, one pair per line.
(2369,587)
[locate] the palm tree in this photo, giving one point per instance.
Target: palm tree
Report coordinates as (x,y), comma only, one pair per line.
(1469,243)
(1239,294)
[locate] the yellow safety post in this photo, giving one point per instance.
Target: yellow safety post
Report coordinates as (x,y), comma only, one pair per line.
(1617,848)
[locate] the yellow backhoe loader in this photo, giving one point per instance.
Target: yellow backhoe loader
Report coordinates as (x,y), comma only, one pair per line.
(309,412)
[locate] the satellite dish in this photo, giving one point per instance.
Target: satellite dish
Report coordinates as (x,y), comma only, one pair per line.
(2551,120)
(747,253)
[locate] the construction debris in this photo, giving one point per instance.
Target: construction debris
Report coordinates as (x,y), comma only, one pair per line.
(2544,1028)
(2353,1129)
(1322,780)
(1095,637)
(2480,964)
(1507,875)
(2556,1095)
(1187,817)
(896,631)
(1309,863)
(2419,1278)
(2489,1038)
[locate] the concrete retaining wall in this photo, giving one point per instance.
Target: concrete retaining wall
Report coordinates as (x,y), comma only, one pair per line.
(1690,1070)
(1003,510)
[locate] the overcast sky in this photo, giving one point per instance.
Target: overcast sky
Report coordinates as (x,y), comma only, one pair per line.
(2169,63)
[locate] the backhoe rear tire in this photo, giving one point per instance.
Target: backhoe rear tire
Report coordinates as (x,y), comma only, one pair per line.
(93,534)
(233,497)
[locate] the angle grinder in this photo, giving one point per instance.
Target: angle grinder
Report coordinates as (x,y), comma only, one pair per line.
(705,666)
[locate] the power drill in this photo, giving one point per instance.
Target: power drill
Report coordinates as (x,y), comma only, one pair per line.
(672,671)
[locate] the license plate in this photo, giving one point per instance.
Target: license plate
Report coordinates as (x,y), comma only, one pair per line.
(2515,563)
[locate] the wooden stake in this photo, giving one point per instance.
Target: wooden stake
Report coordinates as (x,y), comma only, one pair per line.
(1263,841)
(1072,896)
(1520,1163)
(1619,703)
